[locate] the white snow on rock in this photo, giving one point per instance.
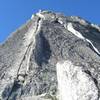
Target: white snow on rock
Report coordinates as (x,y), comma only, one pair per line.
(78,34)
(96,50)
(74,84)
(71,29)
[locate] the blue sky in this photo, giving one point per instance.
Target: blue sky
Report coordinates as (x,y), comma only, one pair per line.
(14,13)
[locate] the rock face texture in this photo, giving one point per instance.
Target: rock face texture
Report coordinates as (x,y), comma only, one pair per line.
(51,57)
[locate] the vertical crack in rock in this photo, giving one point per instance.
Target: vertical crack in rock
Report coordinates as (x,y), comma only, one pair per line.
(24,65)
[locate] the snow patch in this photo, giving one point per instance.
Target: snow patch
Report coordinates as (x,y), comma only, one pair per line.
(71,29)
(78,34)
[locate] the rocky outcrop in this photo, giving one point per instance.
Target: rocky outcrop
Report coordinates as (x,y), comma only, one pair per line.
(51,57)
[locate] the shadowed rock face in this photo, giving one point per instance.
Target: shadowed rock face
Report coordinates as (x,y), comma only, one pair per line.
(51,57)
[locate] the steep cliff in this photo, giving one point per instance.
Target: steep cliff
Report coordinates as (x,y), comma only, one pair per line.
(51,57)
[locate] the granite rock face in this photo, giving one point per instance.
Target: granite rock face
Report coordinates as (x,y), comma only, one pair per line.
(51,57)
